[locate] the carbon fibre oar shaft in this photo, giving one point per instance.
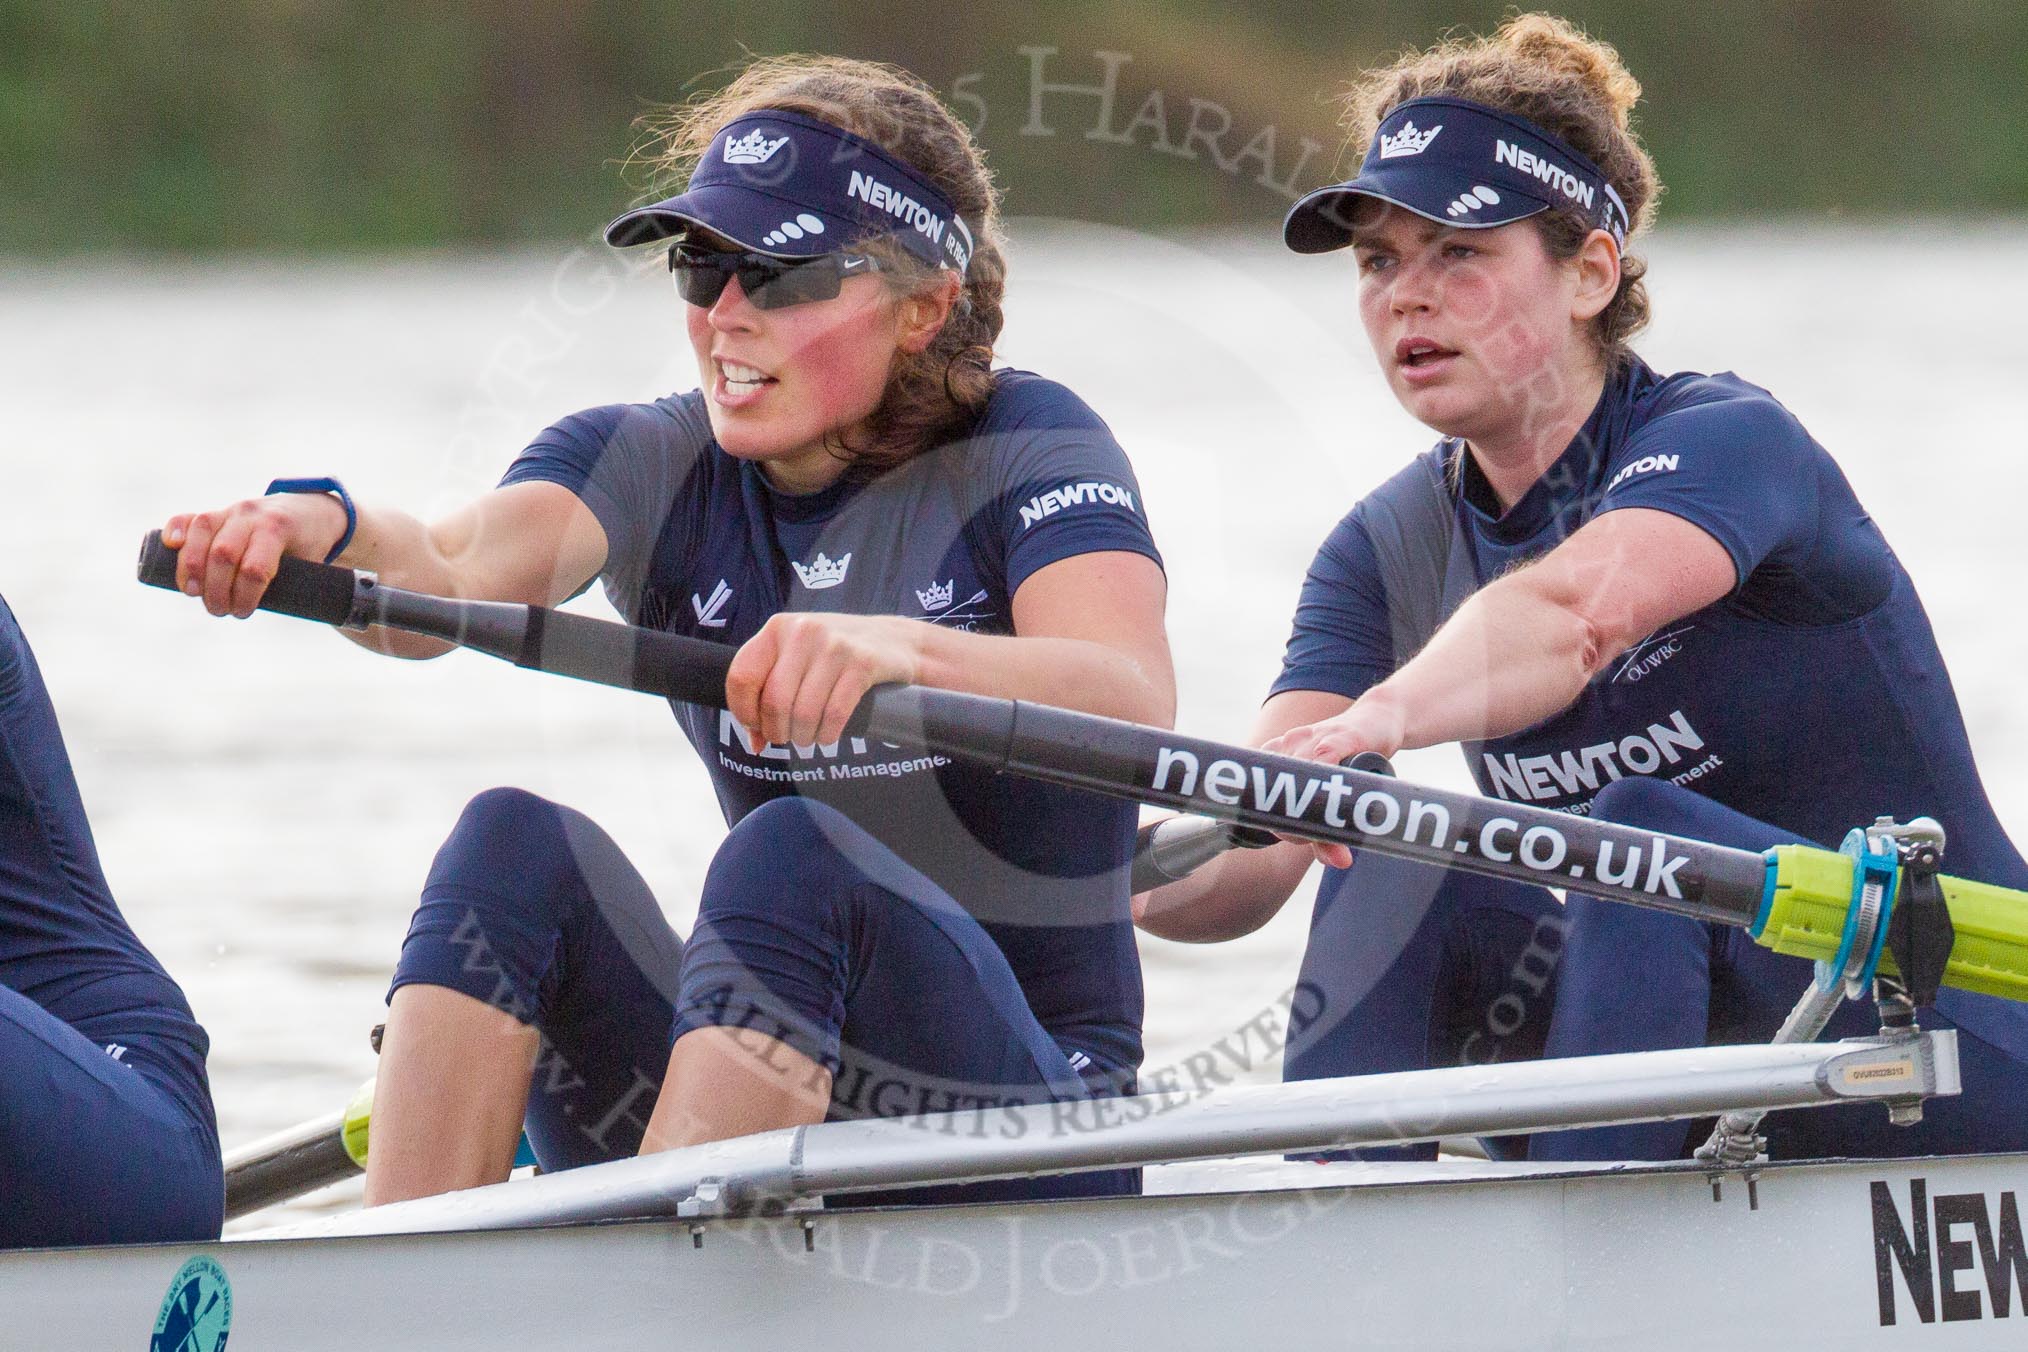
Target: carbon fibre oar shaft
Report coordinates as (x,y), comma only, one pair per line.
(287,1164)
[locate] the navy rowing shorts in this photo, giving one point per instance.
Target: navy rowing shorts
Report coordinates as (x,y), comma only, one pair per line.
(808,930)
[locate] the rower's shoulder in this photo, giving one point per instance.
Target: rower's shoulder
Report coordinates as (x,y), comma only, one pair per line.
(625,459)
(1025,401)
(676,421)
(1410,497)
(1033,431)
(1407,514)
(680,419)
(1723,403)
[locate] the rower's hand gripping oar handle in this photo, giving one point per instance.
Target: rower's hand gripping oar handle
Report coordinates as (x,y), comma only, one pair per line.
(556,641)
(309,591)
(1173,848)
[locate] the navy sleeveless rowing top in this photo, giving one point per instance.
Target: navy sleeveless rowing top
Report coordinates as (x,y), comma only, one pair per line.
(699,543)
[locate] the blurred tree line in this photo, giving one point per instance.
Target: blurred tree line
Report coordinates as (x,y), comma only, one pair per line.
(206,125)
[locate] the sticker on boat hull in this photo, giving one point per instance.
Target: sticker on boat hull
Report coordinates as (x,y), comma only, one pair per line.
(197,1313)
(1961,1256)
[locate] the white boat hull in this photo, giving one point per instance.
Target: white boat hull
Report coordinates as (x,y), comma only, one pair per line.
(1453,1256)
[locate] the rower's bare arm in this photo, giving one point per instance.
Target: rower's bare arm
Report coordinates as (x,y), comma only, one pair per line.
(1523,647)
(535,543)
(1088,635)
(1240,890)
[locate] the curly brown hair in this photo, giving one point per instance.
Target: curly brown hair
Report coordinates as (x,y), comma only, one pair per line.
(937,394)
(1548,71)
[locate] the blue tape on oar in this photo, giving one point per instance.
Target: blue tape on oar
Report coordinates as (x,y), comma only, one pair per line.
(1868,867)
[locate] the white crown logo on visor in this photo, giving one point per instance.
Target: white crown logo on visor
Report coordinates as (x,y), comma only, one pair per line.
(753,148)
(1408,141)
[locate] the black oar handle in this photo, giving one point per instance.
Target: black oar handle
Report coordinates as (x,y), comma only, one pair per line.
(589,649)
(310,591)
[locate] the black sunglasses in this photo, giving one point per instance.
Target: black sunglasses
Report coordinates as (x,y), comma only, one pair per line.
(770,283)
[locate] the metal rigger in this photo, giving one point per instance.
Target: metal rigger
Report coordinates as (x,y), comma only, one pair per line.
(1896,941)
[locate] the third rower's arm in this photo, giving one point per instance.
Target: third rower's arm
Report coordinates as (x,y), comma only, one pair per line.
(1519,650)
(535,543)
(1240,890)
(1524,647)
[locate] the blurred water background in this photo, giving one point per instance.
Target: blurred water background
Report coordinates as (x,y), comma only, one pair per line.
(241,239)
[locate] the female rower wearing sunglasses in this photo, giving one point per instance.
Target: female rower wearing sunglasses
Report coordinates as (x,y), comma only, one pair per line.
(854,496)
(1649,598)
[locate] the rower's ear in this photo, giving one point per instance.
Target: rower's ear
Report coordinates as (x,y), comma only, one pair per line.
(926,310)
(1598,276)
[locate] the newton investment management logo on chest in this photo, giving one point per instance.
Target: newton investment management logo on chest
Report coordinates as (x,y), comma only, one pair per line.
(822,571)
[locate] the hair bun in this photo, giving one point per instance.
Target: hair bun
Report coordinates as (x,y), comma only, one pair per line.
(1557,44)
(1549,72)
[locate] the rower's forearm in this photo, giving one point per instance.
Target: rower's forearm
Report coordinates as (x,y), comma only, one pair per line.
(1513,655)
(1069,673)
(1232,895)
(404,553)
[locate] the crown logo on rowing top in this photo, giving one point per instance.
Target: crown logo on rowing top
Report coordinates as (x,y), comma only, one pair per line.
(822,572)
(1408,141)
(938,596)
(753,148)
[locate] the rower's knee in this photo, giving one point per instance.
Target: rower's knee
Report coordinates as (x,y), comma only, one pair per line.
(1606,931)
(804,866)
(502,834)
(501,901)
(793,907)
(1645,805)
(771,949)
(1650,804)
(517,849)
(789,859)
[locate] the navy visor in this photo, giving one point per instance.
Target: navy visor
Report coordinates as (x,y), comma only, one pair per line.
(787,185)
(1462,164)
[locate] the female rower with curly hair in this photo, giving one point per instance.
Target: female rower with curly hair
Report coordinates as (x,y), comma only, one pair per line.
(854,494)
